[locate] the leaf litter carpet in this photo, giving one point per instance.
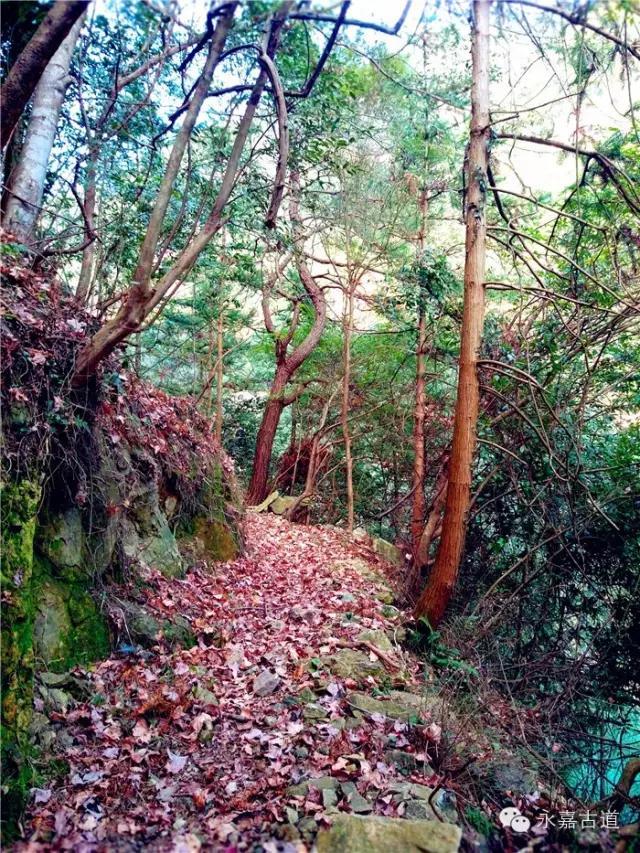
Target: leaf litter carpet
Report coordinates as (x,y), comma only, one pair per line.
(177,750)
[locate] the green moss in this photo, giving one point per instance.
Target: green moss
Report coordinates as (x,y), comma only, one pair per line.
(19,509)
(68,627)
(218,541)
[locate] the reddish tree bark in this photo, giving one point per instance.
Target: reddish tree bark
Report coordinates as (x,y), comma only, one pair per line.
(419,503)
(26,71)
(442,579)
(286,364)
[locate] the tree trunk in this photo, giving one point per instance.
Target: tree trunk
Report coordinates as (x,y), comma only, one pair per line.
(418,507)
(419,503)
(83,289)
(347,323)
(26,183)
(219,377)
(28,68)
(286,365)
(441,583)
(266,436)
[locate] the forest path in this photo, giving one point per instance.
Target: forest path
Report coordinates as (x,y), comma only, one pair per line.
(177,748)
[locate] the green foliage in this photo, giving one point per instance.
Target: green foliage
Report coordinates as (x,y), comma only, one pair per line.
(425,641)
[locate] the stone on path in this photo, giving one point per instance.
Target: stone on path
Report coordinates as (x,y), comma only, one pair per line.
(266,683)
(357,834)
(399,705)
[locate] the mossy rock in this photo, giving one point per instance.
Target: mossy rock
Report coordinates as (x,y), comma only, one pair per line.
(216,539)
(377,638)
(397,705)
(61,540)
(69,628)
(138,624)
(354,664)
(370,834)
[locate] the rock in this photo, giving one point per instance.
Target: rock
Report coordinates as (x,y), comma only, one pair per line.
(418,810)
(301,752)
(351,663)
(347,597)
(306,695)
(266,503)
(298,613)
(322,783)
(265,683)
(61,540)
(357,834)
(292,815)
(377,638)
(78,687)
(389,611)
(513,776)
(329,798)
(398,706)
(386,596)
(150,540)
(204,696)
(56,700)
(282,504)
(388,552)
(307,827)
(404,762)
(359,805)
(313,713)
(136,623)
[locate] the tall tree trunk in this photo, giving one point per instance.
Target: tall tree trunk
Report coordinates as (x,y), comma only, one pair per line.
(28,68)
(441,583)
(419,504)
(26,183)
(219,376)
(347,324)
(286,364)
(266,436)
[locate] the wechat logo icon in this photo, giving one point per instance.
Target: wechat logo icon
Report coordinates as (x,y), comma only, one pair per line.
(512,818)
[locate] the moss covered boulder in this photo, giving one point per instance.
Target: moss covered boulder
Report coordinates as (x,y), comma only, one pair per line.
(357,834)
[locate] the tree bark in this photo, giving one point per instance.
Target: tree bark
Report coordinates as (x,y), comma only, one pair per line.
(219,376)
(266,436)
(347,324)
(419,503)
(26,183)
(28,68)
(441,583)
(286,365)
(85,277)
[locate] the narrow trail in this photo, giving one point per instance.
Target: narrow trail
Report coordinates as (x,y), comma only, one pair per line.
(198,748)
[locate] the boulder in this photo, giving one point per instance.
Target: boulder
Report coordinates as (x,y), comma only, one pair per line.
(398,705)
(135,623)
(357,834)
(282,504)
(388,552)
(266,503)
(351,663)
(377,638)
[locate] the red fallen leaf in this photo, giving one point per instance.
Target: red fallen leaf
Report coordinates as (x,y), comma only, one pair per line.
(200,799)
